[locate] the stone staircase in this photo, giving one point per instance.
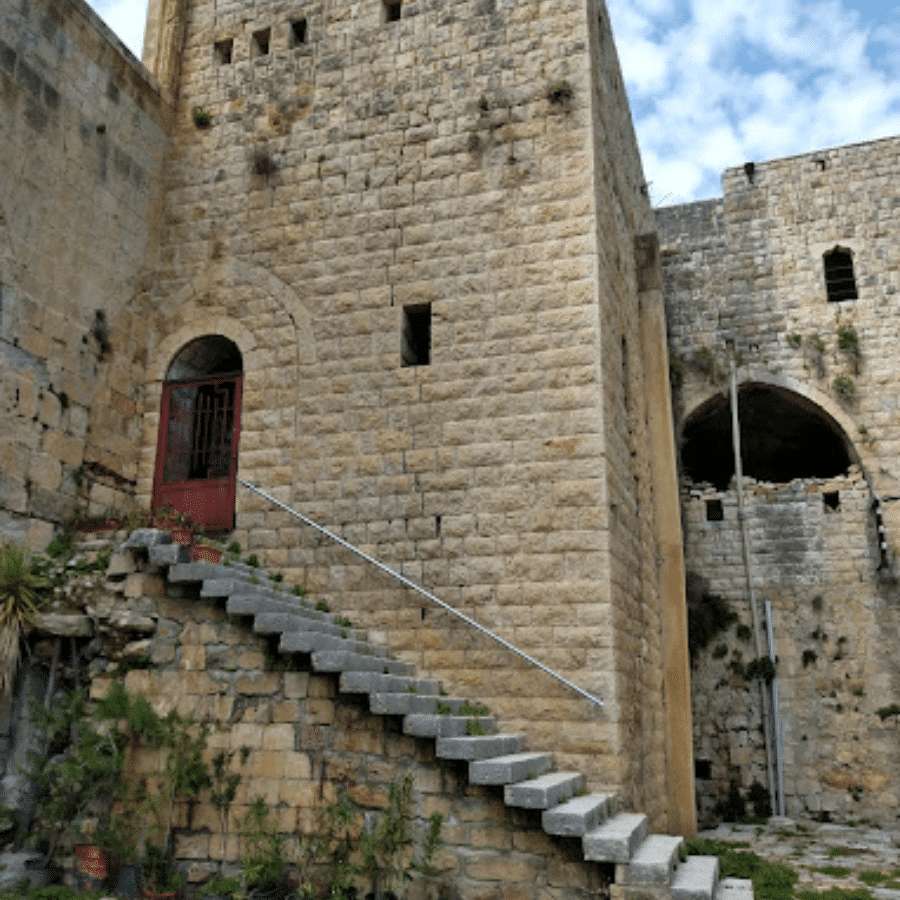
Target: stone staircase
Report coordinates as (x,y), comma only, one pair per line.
(646,865)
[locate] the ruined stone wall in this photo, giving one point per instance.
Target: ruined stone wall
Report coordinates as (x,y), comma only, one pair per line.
(370,165)
(748,268)
(835,634)
(82,143)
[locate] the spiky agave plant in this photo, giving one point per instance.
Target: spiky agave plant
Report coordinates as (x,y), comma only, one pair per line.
(20,601)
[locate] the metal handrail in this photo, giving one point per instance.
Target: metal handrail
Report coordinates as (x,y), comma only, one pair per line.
(596,701)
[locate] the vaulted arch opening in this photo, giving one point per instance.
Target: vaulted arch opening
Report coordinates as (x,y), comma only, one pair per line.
(783,436)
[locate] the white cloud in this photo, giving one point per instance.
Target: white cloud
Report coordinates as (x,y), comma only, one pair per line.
(735,80)
(126,18)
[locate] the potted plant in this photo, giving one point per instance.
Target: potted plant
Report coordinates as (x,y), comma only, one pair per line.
(264,864)
(79,772)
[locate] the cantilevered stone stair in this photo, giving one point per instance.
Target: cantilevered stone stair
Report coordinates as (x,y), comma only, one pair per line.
(646,865)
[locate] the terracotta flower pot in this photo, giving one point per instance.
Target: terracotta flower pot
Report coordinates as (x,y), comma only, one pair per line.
(90,867)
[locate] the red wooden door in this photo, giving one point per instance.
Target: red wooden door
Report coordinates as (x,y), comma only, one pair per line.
(196,456)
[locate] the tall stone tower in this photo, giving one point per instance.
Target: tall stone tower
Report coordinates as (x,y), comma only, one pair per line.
(425,229)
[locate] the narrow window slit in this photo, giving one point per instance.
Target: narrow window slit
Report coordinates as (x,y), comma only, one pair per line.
(223,51)
(259,46)
(832,499)
(415,347)
(392,10)
(714,511)
(298,33)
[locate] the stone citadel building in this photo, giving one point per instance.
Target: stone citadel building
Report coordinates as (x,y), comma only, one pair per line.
(399,258)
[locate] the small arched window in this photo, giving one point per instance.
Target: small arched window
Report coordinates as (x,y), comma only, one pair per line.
(840,282)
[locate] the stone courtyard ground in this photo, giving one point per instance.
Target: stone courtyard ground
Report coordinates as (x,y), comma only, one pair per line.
(844,862)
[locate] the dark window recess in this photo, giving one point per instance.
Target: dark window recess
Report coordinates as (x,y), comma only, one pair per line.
(840,282)
(298,32)
(714,511)
(415,346)
(702,769)
(223,50)
(783,436)
(392,10)
(832,499)
(259,45)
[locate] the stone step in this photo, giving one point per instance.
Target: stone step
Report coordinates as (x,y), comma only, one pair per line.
(478,747)
(578,816)
(696,878)
(616,839)
(184,573)
(406,703)
(428,725)
(543,792)
(295,620)
(235,584)
(734,889)
(252,604)
(289,623)
(163,555)
(312,641)
(509,768)
(342,661)
(147,538)
(654,860)
(378,682)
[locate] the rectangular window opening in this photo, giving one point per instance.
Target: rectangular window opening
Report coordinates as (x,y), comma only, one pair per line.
(832,499)
(222,50)
(702,769)
(415,346)
(714,511)
(392,10)
(298,32)
(840,282)
(259,45)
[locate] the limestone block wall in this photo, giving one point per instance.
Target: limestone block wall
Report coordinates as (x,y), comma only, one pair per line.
(82,142)
(478,158)
(306,742)
(835,634)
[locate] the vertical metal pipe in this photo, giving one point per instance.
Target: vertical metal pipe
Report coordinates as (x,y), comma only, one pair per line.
(776,712)
(748,570)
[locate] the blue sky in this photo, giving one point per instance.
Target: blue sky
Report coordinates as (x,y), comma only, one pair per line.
(715,83)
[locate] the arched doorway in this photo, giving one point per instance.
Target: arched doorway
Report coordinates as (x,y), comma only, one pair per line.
(199,429)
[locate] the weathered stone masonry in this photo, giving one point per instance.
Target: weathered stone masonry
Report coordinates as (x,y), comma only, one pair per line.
(477,158)
(84,133)
(748,268)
